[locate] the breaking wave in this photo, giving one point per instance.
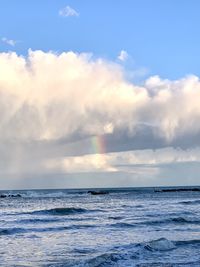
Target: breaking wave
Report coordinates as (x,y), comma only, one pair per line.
(106,259)
(17,231)
(61,211)
(174,220)
(42,194)
(161,244)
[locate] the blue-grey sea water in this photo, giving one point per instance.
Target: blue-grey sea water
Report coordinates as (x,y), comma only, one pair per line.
(129,227)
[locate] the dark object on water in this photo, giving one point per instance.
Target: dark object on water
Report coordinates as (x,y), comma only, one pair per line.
(177,190)
(3,195)
(17,195)
(98,192)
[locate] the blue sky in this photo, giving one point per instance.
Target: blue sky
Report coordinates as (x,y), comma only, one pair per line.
(162,36)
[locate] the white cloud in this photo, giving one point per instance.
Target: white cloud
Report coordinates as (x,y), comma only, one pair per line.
(8,41)
(88,163)
(123,55)
(68,12)
(72,94)
(49,98)
(141,161)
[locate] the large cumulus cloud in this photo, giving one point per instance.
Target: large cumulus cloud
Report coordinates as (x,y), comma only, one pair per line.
(52,104)
(49,96)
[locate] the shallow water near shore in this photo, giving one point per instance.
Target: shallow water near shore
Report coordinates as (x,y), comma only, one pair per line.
(127,227)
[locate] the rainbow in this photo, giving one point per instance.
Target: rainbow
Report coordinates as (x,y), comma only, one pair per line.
(98,145)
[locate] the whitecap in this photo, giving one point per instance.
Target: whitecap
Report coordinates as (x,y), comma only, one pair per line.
(161,244)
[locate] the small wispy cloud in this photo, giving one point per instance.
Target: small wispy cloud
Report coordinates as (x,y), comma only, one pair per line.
(123,55)
(68,12)
(8,41)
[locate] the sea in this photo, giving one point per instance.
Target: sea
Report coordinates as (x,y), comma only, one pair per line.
(125,227)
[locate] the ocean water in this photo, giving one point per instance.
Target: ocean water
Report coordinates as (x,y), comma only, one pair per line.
(129,227)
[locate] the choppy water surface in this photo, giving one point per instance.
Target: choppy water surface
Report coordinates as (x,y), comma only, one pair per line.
(135,227)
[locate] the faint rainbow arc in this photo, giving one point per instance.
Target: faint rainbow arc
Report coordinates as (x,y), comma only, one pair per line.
(98,144)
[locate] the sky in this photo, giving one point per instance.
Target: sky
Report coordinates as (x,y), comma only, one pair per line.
(99,93)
